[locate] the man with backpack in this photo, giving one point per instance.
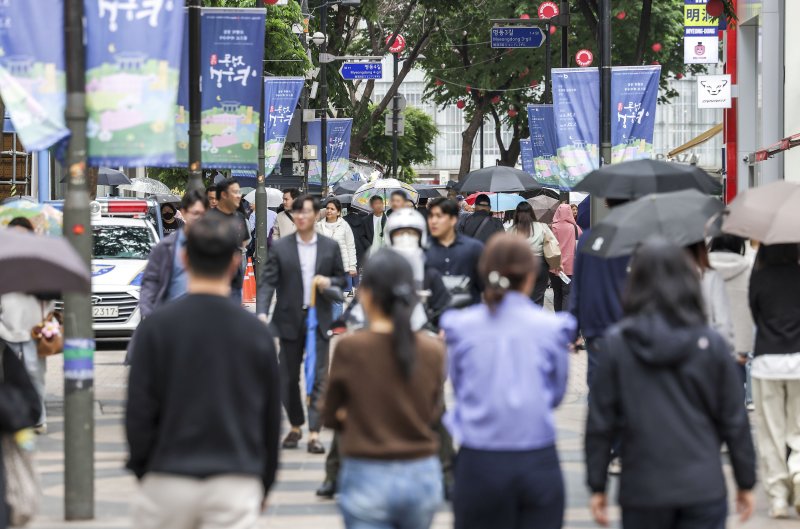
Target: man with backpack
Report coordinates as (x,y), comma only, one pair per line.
(481,225)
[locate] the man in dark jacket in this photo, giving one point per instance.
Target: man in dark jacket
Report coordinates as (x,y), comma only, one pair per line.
(203,414)
(481,225)
(297,265)
(164,276)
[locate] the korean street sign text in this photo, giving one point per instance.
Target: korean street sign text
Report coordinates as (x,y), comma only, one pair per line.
(361,70)
(696,20)
(517,37)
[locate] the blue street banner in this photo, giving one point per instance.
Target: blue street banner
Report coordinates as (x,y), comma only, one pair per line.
(280,101)
(133,62)
(526,154)
(338,149)
(544,148)
(182,108)
(634,94)
(576,107)
(32,77)
(232,51)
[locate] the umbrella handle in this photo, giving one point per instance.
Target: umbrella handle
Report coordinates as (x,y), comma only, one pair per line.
(313,300)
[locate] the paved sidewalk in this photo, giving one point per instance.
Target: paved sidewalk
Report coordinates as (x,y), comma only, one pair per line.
(292,503)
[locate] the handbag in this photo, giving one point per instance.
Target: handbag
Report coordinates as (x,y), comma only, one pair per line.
(23,489)
(49,335)
(551,249)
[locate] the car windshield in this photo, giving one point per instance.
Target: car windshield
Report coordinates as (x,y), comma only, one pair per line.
(122,242)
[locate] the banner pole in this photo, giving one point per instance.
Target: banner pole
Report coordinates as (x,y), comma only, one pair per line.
(78,334)
(261,201)
(323,90)
(195,102)
(598,207)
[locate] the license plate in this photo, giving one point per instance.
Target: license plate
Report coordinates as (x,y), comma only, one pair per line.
(105,312)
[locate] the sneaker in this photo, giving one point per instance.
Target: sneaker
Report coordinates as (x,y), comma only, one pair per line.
(615,467)
(40,429)
(750,407)
(779,509)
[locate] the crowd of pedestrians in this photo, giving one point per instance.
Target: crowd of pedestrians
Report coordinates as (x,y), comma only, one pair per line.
(677,338)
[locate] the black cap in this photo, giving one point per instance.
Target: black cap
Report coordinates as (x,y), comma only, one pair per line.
(483,200)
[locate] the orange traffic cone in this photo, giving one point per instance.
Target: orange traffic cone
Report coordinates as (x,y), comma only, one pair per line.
(249,287)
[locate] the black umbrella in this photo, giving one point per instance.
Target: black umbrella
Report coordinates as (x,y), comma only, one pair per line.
(111,177)
(497,179)
(347,186)
(167,199)
(629,180)
(682,217)
(426,191)
(40,265)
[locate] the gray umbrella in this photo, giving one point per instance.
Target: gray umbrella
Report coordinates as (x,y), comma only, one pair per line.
(544,207)
(111,177)
(40,265)
(682,217)
(769,214)
(497,179)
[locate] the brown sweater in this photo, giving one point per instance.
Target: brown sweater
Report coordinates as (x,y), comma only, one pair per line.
(387,415)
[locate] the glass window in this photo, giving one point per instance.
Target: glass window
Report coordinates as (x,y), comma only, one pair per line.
(122,242)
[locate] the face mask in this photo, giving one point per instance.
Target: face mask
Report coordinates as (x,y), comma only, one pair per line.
(168,215)
(405,241)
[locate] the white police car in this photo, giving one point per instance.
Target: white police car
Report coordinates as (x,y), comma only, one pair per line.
(123,236)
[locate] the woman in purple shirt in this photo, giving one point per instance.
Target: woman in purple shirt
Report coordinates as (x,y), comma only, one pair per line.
(508,362)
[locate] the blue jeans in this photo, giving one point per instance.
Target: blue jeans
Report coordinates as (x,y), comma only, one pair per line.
(375,494)
(337,307)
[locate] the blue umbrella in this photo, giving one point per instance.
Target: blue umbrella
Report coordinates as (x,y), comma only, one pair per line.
(311,341)
(505,201)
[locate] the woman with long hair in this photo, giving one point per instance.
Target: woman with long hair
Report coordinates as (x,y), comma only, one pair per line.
(335,227)
(715,296)
(506,387)
(669,392)
(775,305)
(526,225)
(384,394)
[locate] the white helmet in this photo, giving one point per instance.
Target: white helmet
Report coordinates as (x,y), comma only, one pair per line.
(404,219)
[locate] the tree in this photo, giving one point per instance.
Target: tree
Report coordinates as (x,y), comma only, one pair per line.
(413,148)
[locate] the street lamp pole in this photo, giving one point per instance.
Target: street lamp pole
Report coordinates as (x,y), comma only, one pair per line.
(323,91)
(598,207)
(260,257)
(78,335)
(304,97)
(395,115)
(195,103)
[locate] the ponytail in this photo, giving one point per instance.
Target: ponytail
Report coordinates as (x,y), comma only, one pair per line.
(403,335)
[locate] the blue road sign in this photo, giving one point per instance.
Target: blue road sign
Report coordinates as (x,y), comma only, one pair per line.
(517,37)
(361,70)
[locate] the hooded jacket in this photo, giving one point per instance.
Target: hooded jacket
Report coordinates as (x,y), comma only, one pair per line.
(735,271)
(567,233)
(673,396)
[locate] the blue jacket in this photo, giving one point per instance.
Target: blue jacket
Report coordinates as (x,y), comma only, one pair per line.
(597,288)
(157,275)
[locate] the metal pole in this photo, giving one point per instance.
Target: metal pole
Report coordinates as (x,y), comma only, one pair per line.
(395,117)
(323,89)
(564,195)
(548,66)
(304,97)
(195,102)
(598,209)
(261,203)
(481,142)
(78,335)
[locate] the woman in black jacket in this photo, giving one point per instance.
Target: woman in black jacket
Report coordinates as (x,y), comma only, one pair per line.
(669,390)
(19,409)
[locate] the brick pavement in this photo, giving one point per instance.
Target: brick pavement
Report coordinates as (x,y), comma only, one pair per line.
(292,503)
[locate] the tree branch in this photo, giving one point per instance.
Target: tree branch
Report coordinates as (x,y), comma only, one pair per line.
(589,16)
(498,132)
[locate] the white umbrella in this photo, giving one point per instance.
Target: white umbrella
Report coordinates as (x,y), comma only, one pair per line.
(274,197)
(383,187)
(147,186)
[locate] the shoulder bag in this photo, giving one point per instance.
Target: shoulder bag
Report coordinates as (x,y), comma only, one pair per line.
(49,335)
(551,249)
(23,489)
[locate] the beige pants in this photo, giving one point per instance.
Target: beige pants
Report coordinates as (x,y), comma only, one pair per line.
(778,434)
(175,502)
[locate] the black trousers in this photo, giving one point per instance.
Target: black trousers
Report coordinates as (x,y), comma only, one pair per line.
(560,293)
(291,363)
(542,282)
(710,515)
(508,490)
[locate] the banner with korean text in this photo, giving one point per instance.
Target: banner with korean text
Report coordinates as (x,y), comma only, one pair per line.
(634,94)
(526,154)
(280,101)
(232,54)
(32,77)
(544,148)
(338,149)
(576,106)
(132,68)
